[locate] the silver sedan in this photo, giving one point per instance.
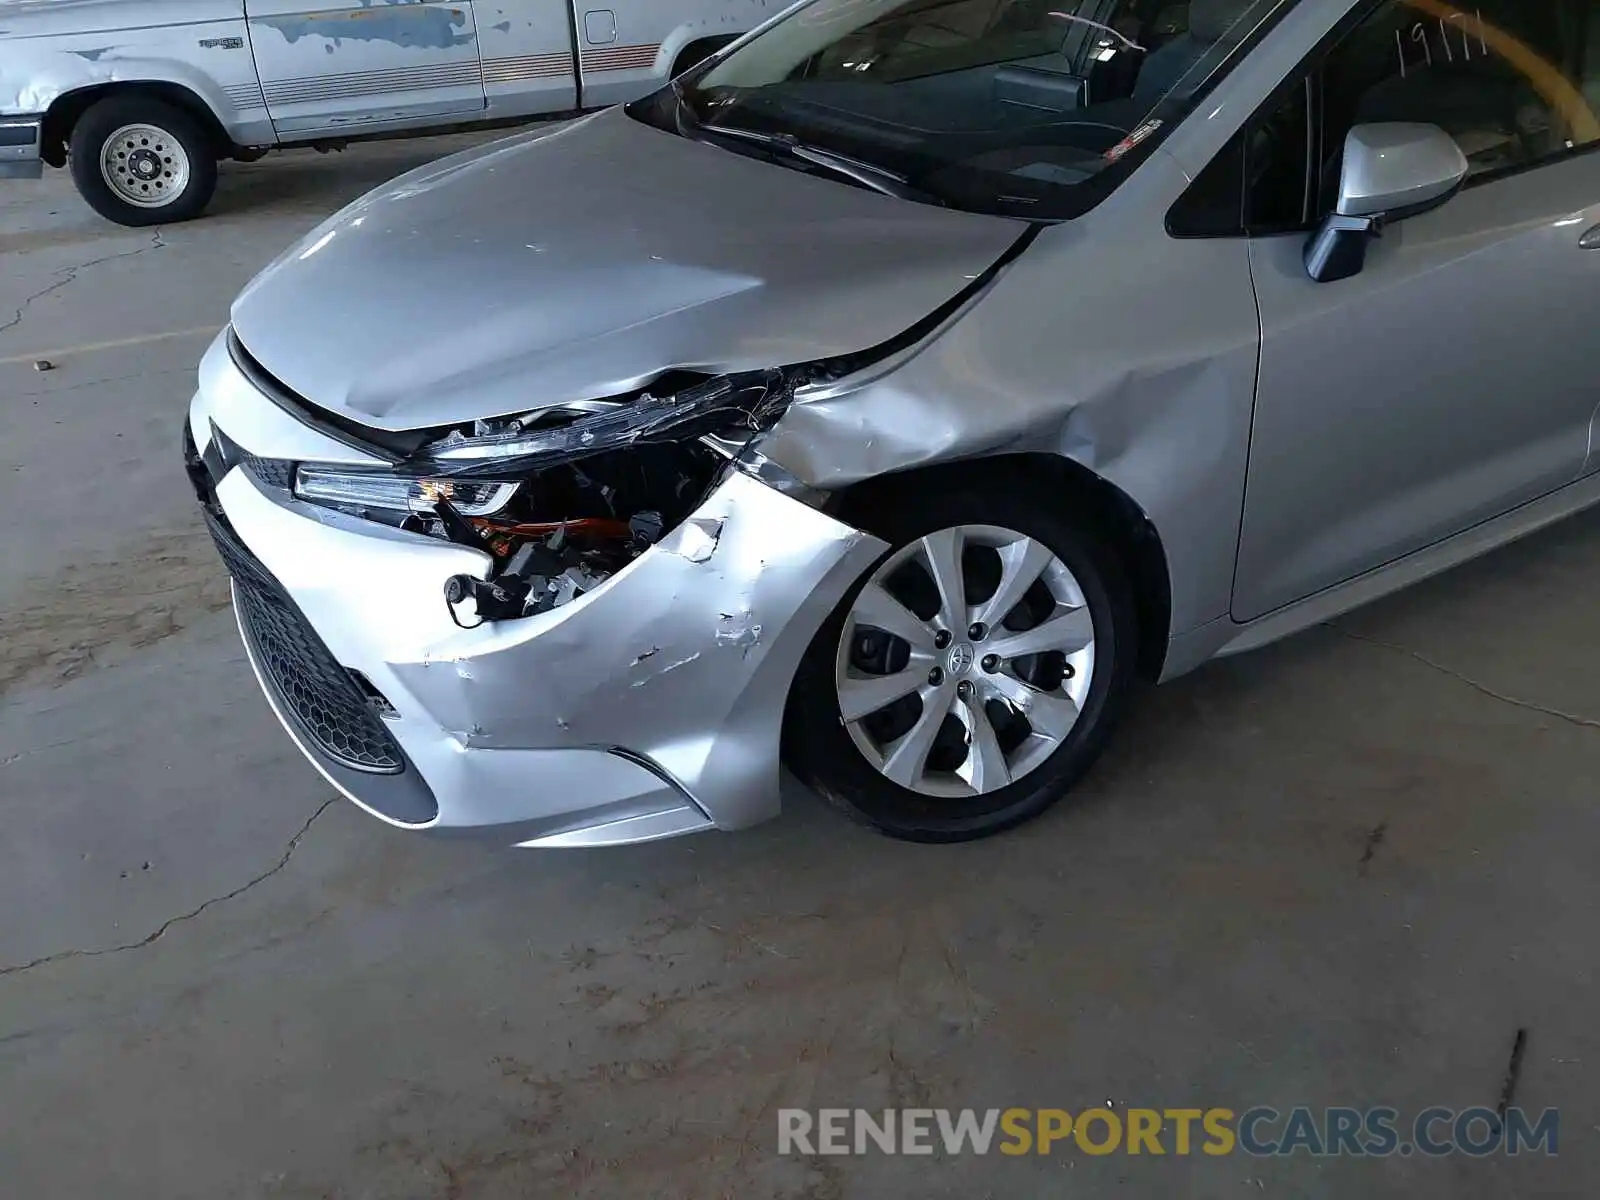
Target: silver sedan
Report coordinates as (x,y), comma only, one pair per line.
(891,393)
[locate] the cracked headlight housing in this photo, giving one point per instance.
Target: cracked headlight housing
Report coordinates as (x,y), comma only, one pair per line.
(749,401)
(492,468)
(400,494)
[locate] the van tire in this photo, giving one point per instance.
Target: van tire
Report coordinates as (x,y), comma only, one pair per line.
(163,171)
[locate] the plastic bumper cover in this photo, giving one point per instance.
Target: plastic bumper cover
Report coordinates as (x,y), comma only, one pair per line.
(649,707)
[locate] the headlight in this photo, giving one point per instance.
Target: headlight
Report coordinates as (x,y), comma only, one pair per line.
(399,493)
(750,401)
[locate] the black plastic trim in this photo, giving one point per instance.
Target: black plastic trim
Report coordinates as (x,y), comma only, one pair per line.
(20,131)
(577,55)
(223,454)
(402,796)
(639,760)
(1185,223)
(357,437)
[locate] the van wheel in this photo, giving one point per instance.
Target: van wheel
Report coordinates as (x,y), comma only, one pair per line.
(140,161)
(972,675)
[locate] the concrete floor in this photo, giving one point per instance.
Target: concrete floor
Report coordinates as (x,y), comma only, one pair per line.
(1344,870)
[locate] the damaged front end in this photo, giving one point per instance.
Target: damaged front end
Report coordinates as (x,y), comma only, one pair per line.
(564,497)
(579,625)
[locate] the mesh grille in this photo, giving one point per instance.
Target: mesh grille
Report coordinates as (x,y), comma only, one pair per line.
(320,694)
(272,472)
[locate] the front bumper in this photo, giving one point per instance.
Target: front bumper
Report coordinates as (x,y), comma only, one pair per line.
(20,140)
(649,707)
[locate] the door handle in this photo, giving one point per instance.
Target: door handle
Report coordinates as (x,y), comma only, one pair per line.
(1590,239)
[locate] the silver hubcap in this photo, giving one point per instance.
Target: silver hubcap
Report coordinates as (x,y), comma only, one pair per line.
(965,661)
(144,166)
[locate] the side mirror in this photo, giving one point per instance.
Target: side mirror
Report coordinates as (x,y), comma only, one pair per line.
(1390,170)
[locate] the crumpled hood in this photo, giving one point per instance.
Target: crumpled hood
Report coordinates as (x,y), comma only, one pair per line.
(584,263)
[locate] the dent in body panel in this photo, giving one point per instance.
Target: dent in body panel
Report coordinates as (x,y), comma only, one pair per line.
(730,265)
(407,23)
(1142,385)
(684,622)
(49,76)
(37,71)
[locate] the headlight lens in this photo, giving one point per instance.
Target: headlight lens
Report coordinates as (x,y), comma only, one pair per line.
(399,494)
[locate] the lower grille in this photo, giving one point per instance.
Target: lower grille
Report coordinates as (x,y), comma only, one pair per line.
(319,694)
(271,472)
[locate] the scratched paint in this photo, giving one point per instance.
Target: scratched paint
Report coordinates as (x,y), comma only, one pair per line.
(408,23)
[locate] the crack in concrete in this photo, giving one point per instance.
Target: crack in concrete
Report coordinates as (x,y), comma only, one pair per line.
(89,383)
(69,274)
(9,759)
(1374,839)
(1508,1087)
(161,929)
(1531,705)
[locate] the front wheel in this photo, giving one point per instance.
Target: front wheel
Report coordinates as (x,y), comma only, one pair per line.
(139,161)
(968,680)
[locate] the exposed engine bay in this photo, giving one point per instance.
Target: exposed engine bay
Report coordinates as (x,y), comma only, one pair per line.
(571,527)
(562,498)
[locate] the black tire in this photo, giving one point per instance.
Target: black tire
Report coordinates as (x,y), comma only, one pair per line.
(819,750)
(103,119)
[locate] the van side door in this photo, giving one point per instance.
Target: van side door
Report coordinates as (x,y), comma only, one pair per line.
(348,66)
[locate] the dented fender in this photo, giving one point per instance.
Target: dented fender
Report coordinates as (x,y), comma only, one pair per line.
(684,658)
(1134,357)
(50,52)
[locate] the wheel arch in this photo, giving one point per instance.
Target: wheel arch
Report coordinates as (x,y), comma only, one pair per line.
(1057,480)
(697,48)
(68,108)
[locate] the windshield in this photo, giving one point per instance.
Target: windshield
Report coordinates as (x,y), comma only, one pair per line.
(1026,108)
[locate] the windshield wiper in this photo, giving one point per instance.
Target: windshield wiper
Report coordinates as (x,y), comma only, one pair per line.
(869,175)
(685,113)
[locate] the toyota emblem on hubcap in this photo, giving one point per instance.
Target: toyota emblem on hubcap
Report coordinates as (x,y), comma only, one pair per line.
(960,659)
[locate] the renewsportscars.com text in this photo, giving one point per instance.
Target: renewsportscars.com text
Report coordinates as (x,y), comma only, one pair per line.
(1260,1131)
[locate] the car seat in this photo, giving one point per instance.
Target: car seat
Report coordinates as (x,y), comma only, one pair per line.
(1209,21)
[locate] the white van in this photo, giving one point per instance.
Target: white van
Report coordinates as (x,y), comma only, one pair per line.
(143,97)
